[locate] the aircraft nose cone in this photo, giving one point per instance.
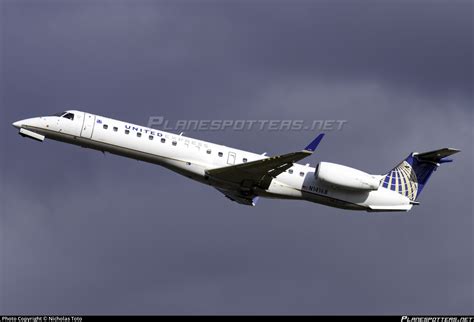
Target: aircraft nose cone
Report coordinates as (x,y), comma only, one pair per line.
(17,124)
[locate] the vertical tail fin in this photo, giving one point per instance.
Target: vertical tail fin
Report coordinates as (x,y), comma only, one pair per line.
(411,175)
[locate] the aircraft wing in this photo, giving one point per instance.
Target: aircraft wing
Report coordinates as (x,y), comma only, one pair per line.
(261,172)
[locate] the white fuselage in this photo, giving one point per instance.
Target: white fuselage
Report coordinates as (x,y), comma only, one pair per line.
(192,157)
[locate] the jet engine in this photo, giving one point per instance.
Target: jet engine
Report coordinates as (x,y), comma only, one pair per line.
(345,177)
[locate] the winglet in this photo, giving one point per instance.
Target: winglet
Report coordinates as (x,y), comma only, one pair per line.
(314,144)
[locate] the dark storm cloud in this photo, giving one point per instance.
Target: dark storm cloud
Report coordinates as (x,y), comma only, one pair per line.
(168,48)
(86,233)
(417,45)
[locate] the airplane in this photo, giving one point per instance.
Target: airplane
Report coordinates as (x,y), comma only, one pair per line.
(244,176)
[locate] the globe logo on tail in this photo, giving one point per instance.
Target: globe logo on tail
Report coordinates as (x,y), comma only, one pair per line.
(402,179)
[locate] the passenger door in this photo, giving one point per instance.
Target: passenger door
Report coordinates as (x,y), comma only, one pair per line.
(88,126)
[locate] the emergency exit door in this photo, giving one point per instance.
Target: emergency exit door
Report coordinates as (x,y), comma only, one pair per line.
(231,158)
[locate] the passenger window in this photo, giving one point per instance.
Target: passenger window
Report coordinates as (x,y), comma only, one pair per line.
(69,116)
(301,174)
(290,171)
(106,126)
(244,160)
(163,140)
(220,154)
(174,143)
(151,137)
(208,151)
(139,134)
(115,129)
(127,131)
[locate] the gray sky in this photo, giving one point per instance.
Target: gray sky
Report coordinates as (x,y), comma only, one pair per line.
(85,233)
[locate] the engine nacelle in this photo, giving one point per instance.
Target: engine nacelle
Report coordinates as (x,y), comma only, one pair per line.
(345,177)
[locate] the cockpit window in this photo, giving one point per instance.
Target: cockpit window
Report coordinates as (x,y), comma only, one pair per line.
(59,114)
(69,116)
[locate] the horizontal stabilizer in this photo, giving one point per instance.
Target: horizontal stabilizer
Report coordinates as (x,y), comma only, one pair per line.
(436,155)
